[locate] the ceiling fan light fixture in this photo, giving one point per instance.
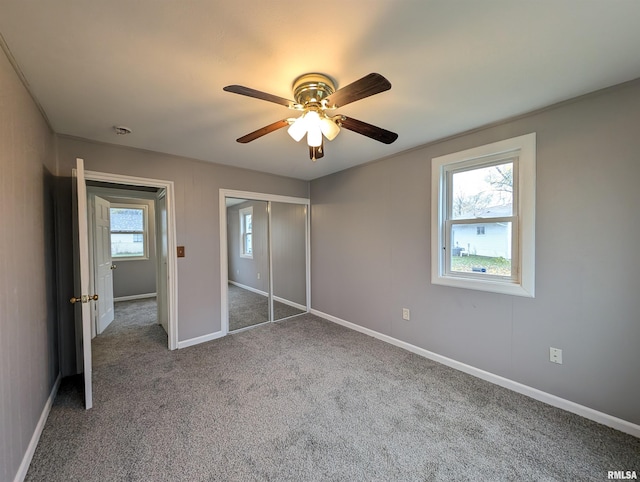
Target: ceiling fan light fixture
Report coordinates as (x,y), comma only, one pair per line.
(314,124)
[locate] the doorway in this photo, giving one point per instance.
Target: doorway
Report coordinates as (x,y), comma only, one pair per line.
(264,258)
(82,294)
(146,273)
(125,250)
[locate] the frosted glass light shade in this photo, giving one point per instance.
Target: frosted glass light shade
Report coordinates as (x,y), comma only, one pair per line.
(314,134)
(329,128)
(298,129)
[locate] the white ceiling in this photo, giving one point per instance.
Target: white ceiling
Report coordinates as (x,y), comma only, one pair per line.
(158,67)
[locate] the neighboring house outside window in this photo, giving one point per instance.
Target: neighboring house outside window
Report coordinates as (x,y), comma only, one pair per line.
(246,232)
(128,231)
(483,217)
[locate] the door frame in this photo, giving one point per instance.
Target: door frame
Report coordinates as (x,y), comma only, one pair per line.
(172,258)
(162,254)
(224,266)
(92,268)
(126,196)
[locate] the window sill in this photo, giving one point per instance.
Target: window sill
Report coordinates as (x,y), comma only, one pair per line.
(127,258)
(492,286)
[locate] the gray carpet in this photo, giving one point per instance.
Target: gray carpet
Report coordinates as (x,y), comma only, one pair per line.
(307,400)
(247,308)
(132,314)
(135,324)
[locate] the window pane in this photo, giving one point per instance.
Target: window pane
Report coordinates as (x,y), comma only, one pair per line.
(126,244)
(127,220)
(482,193)
(248,247)
(247,224)
(488,253)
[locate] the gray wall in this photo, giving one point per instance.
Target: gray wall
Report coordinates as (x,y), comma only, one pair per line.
(197,187)
(245,270)
(371,257)
(288,235)
(28,331)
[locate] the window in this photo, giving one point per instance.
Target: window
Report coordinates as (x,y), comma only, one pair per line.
(246,232)
(483,210)
(128,231)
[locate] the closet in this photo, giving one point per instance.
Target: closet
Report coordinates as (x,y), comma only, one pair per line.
(266,258)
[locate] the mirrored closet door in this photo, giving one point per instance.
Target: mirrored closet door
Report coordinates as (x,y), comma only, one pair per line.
(248,262)
(266,257)
(289,259)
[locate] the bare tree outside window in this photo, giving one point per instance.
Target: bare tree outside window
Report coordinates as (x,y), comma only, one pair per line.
(477,190)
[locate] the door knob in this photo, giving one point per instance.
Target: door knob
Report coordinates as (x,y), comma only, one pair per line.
(83,299)
(113,266)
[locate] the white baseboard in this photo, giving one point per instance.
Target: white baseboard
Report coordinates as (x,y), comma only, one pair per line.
(135,297)
(290,303)
(200,339)
(249,288)
(264,293)
(35,438)
(553,400)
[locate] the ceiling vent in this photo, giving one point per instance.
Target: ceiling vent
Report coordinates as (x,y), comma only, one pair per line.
(122,130)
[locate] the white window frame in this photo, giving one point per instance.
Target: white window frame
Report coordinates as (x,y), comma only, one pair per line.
(522,150)
(144,232)
(243,232)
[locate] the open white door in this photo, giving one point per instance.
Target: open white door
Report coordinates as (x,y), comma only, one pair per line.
(103,268)
(81,297)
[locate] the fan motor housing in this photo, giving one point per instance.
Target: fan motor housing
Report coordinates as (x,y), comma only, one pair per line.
(312,88)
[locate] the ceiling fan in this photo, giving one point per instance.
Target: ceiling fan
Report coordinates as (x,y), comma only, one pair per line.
(316,96)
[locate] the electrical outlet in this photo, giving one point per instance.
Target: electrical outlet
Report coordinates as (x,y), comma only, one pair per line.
(258,275)
(406,314)
(555,355)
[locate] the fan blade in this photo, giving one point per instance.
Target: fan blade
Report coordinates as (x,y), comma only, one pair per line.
(366,86)
(377,133)
(239,89)
(262,131)
(316,153)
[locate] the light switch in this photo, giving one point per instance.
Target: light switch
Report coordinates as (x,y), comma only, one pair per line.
(180,251)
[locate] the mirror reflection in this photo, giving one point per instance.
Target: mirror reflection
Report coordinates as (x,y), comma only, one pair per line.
(288,254)
(267,261)
(248,262)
